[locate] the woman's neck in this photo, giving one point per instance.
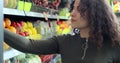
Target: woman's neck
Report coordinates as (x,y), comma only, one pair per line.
(84,33)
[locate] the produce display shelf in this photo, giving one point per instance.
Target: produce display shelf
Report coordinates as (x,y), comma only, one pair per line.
(11,53)
(40,15)
(9,11)
(58,17)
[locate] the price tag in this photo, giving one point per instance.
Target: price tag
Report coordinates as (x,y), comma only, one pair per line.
(20,5)
(57,17)
(45,15)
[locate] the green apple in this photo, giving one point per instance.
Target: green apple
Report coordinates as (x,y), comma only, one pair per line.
(10,3)
(15,4)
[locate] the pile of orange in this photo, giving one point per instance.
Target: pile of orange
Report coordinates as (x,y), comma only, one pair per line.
(7,25)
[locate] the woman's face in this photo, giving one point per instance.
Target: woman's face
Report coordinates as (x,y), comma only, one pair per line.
(76,20)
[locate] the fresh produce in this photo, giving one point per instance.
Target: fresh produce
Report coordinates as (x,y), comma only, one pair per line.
(45,3)
(63,28)
(26,33)
(116,6)
(29,58)
(22,33)
(64,12)
(22,56)
(56,3)
(115,1)
(12,29)
(10,3)
(7,25)
(7,22)
(14,4)
(47,58)
(26,29)
(41,2)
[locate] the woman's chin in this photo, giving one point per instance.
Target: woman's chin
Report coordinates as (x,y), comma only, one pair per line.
(74,27)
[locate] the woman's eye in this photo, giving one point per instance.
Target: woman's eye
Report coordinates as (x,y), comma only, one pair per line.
(71,9)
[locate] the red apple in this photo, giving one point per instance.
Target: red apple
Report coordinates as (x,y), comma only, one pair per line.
(26,33)
(17,31)
(13,24)
(59,22)
(18,24)
(22,33)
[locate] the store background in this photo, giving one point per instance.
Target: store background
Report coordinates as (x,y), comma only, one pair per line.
(36,19)
(1,31)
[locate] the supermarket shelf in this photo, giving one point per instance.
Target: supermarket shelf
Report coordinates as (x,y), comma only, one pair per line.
(11,53)
(62,17)
(40,15)
(55,59)
(55,17)
(34,14)
(9,11)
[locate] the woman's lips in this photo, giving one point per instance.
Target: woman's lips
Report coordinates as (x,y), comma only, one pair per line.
(73,20)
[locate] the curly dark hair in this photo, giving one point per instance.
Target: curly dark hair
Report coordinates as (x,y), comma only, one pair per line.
(102,21)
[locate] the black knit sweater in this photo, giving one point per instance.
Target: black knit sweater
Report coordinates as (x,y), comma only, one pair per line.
(71,48)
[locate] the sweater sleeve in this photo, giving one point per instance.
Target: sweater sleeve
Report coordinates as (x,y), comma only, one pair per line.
(117,54)
(48,46)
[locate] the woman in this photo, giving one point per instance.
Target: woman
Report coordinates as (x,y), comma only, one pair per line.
(98,41)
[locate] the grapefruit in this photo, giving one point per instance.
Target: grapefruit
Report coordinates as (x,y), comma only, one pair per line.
(12,29)
(7,22)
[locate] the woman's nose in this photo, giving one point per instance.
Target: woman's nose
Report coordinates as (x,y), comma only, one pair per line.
(72,14)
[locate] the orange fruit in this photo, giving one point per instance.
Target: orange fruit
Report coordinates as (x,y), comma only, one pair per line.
(12,29)
(7,22)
